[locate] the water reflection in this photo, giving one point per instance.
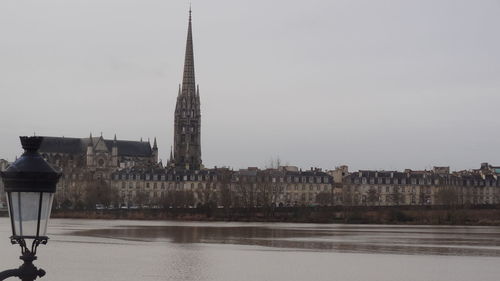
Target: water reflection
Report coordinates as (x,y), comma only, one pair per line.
(410,240)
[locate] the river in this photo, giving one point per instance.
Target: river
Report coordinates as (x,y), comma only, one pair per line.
(166,250)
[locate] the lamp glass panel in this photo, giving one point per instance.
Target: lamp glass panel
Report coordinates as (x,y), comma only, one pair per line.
(25,207)
(47,199)
(14,215)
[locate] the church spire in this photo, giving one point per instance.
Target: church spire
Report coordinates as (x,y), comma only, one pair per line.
(188,81)
(187,124)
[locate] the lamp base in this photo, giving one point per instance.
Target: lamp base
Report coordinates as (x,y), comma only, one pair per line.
(26,272)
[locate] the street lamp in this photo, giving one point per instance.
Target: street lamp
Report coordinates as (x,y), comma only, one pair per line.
(30,184)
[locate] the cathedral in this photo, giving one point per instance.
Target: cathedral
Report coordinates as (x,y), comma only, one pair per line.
(103,156)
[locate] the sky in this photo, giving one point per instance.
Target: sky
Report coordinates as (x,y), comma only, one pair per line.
(371,84)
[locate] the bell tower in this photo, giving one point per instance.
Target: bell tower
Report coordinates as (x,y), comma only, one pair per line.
(187,125)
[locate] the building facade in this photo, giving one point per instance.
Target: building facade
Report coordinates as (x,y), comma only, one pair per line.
(435,187)
(250,187)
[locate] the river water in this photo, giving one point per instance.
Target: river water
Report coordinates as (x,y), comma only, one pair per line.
(153,250)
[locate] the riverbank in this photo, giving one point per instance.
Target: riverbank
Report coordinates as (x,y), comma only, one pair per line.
(360,215)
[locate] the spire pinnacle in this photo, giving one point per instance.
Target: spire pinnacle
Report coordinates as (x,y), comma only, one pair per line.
(188,81)
(154,143)
(90,140)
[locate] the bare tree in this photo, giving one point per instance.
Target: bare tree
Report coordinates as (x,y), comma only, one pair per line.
(141,198)
(246,191)
(325,198)
(226,195)
(448,196)
(373,197)
(347,195)
(397,197)
(98,191)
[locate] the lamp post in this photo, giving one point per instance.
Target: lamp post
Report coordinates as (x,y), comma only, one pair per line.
(30,184)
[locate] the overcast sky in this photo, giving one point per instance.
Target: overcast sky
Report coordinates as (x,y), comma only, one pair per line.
(371,84)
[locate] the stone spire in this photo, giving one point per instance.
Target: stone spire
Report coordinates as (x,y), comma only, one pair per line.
(187,127)
(188,81)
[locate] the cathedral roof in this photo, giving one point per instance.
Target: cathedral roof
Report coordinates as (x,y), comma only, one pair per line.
(131,148)
(62,145)
(79,146)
